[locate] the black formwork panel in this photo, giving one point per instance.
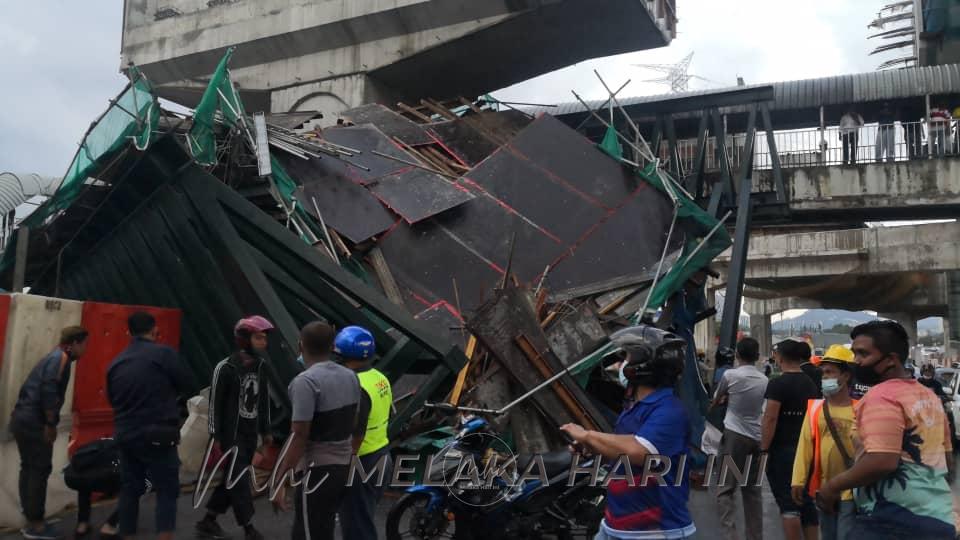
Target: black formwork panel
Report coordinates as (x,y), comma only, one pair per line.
(574,160)
(628,243)
(488,227)
(346,206)
(417,194)
(425,259)
(442,317)
(533,193)
(366,139)
(465,142)
(389,122)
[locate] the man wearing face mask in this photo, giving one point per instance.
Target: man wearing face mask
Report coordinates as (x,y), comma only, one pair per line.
(825,447)
(239,412)
(900,479)
(653,424)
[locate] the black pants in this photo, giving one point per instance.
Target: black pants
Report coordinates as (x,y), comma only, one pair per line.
(36,463)
(780,476)
(317,500)
(240,494)
(849,147)
(359,506)
(83,510)
(139,461)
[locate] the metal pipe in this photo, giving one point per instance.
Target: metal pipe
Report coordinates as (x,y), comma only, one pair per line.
(326,232)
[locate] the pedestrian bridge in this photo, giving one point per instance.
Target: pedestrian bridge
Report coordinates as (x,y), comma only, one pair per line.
(791,130)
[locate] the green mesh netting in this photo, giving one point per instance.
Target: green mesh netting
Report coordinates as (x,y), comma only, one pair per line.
(219,97)
(132,117)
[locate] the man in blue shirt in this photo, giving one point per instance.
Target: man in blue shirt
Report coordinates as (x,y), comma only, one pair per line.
(34,426)
(652,427)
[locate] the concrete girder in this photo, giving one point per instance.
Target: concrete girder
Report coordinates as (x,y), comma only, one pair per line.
(916,189)
(879,250)
(338,54)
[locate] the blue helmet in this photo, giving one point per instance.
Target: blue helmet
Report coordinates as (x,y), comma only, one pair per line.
(354,342)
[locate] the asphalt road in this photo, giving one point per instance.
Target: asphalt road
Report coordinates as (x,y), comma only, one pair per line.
(702,505)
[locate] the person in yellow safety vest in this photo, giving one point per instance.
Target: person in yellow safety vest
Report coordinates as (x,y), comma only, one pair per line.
(355,348)
(822,452)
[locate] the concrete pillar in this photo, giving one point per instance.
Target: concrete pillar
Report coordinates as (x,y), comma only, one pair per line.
(953,306)
(761,329)
(947,345)
(909,323)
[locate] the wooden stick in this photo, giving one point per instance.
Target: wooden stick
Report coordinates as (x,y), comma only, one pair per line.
(439,109)
(382,270)
(410,110)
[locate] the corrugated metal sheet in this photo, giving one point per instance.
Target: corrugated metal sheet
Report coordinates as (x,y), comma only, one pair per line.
(807,93)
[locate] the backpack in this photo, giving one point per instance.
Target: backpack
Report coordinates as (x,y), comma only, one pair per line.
(94,467)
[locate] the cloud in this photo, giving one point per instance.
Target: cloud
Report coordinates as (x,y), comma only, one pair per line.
(759,40)
(63,69)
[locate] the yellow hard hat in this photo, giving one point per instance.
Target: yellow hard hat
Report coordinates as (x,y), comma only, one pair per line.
(838,354)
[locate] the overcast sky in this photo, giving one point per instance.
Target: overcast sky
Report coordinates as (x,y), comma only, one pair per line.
(59,61)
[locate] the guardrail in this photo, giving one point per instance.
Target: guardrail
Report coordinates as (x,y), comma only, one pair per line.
(901,141)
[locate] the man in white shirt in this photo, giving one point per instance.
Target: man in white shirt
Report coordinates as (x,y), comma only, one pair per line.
(743,389)
(850,124)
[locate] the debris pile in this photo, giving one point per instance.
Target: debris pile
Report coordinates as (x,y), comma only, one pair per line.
(513,237)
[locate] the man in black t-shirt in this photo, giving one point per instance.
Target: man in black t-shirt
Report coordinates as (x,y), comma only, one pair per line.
(786,403)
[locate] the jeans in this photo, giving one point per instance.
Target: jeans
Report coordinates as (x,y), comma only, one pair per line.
(359,506)
(602,535)
(740,448)
(838,526)
(316,511)
(36,463)
(866,527)
(139,461)
(886,140)
(240,496)
(83,510)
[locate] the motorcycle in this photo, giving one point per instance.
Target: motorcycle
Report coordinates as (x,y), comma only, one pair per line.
(446,506)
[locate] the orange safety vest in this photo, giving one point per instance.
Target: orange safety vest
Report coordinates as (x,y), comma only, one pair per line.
(813,413)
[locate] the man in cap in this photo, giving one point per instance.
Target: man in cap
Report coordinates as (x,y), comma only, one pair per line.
(239,413)
(34,426)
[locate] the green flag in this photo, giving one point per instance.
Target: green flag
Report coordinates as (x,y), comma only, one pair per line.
(611,145)
(220,96)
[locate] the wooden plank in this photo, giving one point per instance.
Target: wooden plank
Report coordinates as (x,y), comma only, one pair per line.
(439,109)
(413,112)
(565,396)
(382,270)
(496,325)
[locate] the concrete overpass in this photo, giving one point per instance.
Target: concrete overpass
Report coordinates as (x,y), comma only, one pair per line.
(904,273)
(333,54)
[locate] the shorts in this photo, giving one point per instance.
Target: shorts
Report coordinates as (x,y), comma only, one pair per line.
(779,476)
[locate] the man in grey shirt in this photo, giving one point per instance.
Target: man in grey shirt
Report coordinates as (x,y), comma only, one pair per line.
(326,402)
(742,389)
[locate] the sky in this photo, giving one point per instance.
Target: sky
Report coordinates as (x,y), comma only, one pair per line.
(59,62)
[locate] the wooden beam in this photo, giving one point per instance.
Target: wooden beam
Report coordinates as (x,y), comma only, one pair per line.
(385,276)
(540,363)
(439,109)
(413,112)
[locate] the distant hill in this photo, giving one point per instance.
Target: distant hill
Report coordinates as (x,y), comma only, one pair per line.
(829,318)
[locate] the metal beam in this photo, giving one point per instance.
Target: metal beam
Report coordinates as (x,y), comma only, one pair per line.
(730,320)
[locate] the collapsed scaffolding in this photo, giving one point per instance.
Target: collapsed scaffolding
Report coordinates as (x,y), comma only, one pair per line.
(491,253)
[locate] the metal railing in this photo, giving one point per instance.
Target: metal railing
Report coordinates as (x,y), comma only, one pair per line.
(901,141)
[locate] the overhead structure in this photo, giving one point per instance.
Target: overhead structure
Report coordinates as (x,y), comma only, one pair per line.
(331,56)
(676,76)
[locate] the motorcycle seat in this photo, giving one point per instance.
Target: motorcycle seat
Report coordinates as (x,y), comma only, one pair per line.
(554,463)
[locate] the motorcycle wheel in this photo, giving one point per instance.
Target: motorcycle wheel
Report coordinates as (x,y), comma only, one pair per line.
(410,518)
